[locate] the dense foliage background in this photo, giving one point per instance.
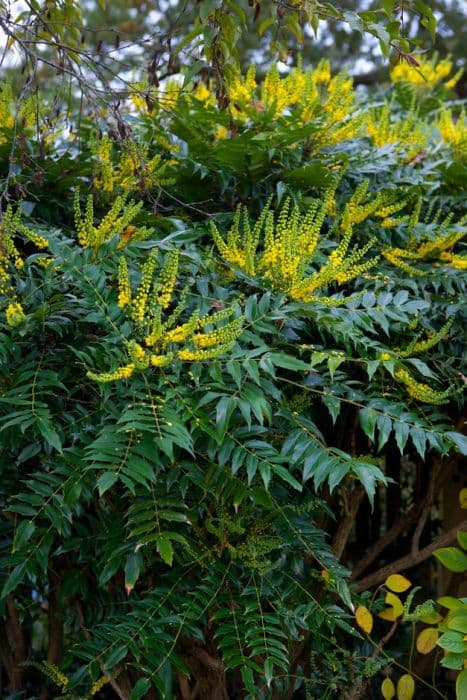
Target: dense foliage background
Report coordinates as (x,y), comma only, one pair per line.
(231,366)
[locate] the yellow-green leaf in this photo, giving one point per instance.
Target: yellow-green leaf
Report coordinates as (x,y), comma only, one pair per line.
(397,583)
(431,619)
(364,619)
(387,689)
(463,498)
(426,640)
(394,611)
(405,687)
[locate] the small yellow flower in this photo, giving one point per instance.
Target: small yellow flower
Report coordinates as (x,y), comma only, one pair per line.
(15,315)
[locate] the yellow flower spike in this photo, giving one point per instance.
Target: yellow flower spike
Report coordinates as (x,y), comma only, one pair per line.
(138,355)
(408,133)
(7,108)
(105,377)
(289,244)
(99,684)
(140,300)
(418,346)
(453,132)
(422,392)
(15,315)
(181,333)
(224,334)
(11,227)
(167,279)
(54,673)
(426,75)
(152,334)
(199,355)
(161,360)
(124,290)
(116,221)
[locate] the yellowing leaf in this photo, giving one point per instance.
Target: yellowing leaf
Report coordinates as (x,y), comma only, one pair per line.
(463,498)
(364,619)
(431,619)
(426,640)
(394,611)
(387,689)
(397,583)
(405,687)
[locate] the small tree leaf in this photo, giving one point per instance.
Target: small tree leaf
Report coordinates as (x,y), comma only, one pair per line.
(461,685)
(397,583)
(452,641)
(23,533)
(133,566)
(457,620)
(165,549)
(405,687)
(452,558)
(140,688)
(388,690)
(462,539)
(364,619)
(394,611)
(426,640)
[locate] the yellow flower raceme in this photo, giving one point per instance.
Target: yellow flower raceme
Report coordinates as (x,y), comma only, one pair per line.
(408,133)
(445,237)
(15,315)
(453,132)
(418,346)
(27,111)
(105,377)
(427,74)
(115,222)
(134,169)
(422,392)
(281,249)
(12,227)
(99,684)
(54,673)
(6,108)
(155,333)
(306,94)
(124,289)
(458,262)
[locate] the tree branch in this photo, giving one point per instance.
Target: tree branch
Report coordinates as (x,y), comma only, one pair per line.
(439,474)
(409,560)
(351,504)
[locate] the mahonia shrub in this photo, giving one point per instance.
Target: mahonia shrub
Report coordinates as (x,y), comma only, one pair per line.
(231,339)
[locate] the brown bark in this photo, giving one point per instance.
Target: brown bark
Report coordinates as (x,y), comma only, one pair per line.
(351,505)
(17,644)
(207,670)
(116,687)
(419,512)
(6,657)
(54,625)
